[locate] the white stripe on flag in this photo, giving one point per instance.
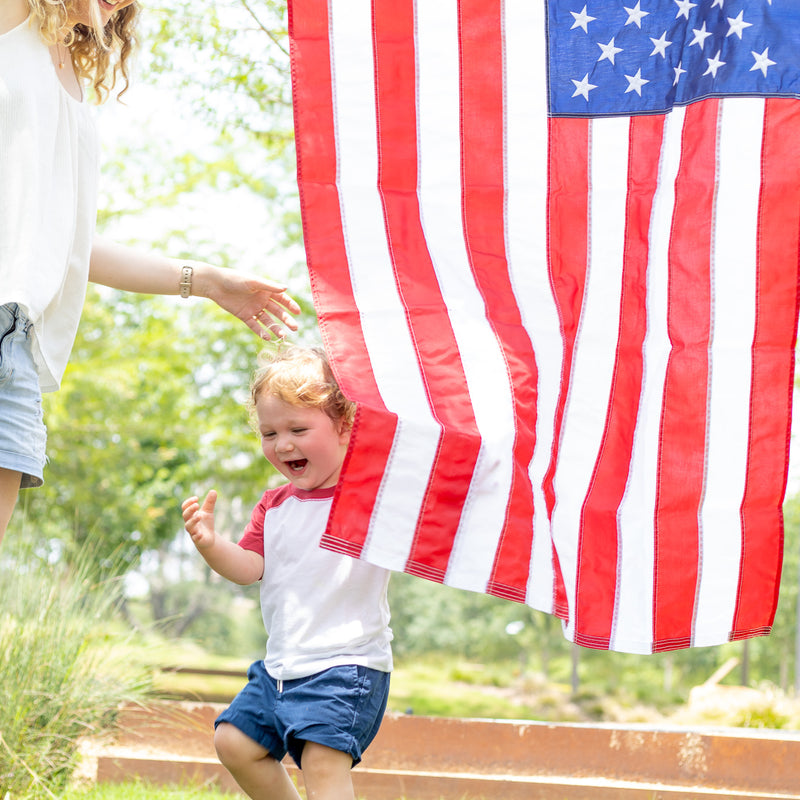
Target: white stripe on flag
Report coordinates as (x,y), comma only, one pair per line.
(383,320)
(484,367)
(526,243)
(595,349)
(633,624)
(734,262)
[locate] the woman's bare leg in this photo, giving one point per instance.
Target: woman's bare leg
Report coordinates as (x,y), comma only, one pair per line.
(9,489)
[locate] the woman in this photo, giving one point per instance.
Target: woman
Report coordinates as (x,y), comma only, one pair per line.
(49,50)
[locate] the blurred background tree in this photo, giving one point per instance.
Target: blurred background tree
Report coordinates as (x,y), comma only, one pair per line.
(199,161)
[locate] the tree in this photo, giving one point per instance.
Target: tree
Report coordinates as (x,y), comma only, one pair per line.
(141,421)
(151,405)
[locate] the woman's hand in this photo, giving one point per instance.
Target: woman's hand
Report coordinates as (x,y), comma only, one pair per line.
(263,305)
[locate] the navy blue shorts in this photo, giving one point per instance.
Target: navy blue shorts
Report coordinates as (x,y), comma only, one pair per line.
(341,708)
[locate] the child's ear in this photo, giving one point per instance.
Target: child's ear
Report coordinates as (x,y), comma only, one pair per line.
(344,431)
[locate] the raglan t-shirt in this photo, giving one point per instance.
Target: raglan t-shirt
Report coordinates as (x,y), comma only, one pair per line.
(320,609)
(48,197)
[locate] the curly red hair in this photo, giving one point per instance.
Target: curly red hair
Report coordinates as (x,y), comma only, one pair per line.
(302,376)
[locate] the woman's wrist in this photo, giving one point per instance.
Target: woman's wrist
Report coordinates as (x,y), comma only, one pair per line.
(202,278)
(185,285)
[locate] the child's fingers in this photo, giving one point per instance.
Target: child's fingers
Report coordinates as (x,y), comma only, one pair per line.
(209,502)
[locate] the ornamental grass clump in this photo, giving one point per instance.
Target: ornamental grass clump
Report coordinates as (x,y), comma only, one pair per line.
(65,668)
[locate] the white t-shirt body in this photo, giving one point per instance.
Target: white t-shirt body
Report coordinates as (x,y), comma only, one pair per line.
(320,609)
(48,197)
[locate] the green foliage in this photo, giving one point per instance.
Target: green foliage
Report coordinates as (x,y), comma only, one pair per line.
(151,411)
(779,650)
(242,47)
(428,617)
(146,791)
(764,715)
(464,627)
(224,72)
(64,667)
(426,688)
(215,615)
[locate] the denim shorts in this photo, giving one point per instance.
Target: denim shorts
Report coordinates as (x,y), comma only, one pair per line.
(23,436)
(341,708)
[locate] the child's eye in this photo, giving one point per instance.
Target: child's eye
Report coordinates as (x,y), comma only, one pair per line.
(299,430)
(268,435)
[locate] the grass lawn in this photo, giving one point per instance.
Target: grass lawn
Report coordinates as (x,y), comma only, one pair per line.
(145,791)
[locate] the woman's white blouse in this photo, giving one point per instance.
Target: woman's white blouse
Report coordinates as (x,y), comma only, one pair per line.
(48,197)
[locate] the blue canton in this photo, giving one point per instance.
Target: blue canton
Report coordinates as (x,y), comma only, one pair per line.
(625,57)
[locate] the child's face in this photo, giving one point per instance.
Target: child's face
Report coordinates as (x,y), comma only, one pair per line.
(302,443)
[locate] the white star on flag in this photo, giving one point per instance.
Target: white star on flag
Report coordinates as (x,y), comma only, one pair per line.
(684,7)
(660,45)
(763,61)
(583,87)
(582,20)
(714,64)
(635,83)
(609,51)
(738,25)
(700,36)
(635,15)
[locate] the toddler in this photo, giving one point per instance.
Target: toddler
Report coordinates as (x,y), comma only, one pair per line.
(321,691)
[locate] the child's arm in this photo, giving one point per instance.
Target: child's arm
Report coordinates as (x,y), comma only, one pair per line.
(223,556)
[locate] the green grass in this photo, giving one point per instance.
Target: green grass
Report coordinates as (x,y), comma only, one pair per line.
(430,689)
(145,791)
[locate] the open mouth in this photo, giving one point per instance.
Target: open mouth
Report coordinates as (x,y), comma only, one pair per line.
(298,465)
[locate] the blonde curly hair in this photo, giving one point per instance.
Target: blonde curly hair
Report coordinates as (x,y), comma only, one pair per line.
(100,54)
(302,376)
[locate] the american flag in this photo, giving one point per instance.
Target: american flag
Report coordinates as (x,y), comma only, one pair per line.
(554,251)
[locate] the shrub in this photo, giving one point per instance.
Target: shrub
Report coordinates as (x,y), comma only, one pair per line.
(64,668)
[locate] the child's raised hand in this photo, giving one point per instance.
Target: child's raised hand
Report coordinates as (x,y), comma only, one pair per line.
(199,520)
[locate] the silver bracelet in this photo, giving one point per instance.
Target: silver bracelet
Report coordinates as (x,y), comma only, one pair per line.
(186,281)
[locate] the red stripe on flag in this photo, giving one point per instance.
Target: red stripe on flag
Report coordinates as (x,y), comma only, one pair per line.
(773,370)
(683,425)
(595,595)
(330,279)
(426,312)
(483,184)
(567,247)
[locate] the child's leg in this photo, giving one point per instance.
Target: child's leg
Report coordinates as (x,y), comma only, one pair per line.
(260,775)
(326,773)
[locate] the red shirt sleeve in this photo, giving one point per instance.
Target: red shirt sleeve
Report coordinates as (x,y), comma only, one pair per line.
(253,536)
